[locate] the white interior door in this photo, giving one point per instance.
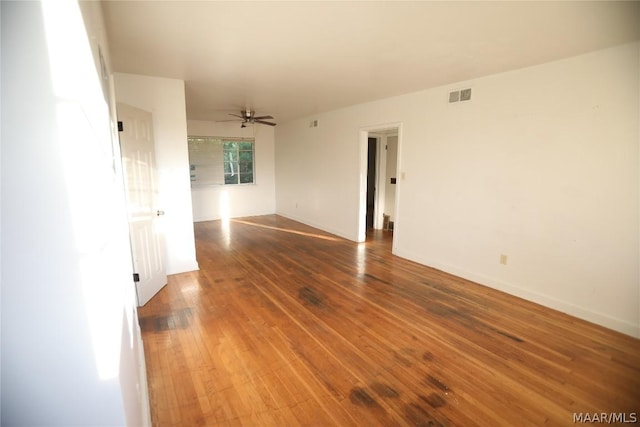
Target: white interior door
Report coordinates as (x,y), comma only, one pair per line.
(138,159)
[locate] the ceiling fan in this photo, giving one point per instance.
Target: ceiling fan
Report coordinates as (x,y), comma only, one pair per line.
(248,116)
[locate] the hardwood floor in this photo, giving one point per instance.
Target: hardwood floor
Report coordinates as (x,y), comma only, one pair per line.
(285,325)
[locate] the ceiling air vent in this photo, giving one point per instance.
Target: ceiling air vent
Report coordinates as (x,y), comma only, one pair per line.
(460,95)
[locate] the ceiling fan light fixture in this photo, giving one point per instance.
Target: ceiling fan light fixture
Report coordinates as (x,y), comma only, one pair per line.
(248,117)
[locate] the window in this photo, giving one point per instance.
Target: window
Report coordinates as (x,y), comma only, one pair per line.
(220,161)
(238,162)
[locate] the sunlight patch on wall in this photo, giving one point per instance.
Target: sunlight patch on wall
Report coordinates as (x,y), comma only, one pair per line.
(86,149)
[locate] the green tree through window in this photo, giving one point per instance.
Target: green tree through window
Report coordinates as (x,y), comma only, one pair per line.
(238,162)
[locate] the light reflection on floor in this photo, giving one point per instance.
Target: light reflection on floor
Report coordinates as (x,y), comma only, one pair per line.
(288,230)
(361,260)
(226,232)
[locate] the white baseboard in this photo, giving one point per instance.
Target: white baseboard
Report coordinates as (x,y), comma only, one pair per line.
(567,307)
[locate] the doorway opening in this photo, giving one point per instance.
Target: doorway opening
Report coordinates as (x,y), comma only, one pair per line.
(378,183)
(372,145)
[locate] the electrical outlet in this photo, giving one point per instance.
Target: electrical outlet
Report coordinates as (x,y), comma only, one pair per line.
(503,259)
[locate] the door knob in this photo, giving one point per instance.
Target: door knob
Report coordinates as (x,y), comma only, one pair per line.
(159,212)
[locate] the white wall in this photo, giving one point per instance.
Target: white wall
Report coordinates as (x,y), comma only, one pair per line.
(69,322)
(133,371)
(230,201)
(164,98)
(317,172)
(542,166)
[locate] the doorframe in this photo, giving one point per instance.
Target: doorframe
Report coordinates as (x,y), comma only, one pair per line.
(362,205)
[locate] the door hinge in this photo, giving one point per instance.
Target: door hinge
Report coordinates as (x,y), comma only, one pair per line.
(120,126)
(136,277)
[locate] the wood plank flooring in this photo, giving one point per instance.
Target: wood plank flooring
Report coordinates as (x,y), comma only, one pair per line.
(285,325)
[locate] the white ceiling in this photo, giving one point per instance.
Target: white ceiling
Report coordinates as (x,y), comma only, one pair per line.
(296,58)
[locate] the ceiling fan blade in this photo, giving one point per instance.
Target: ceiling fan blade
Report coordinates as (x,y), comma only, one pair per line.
(263,117)
(265,123)
(235,115)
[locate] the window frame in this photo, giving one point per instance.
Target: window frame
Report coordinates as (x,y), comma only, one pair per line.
(234,156)
(227,160)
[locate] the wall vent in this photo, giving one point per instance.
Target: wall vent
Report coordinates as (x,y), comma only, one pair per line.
(460,95)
